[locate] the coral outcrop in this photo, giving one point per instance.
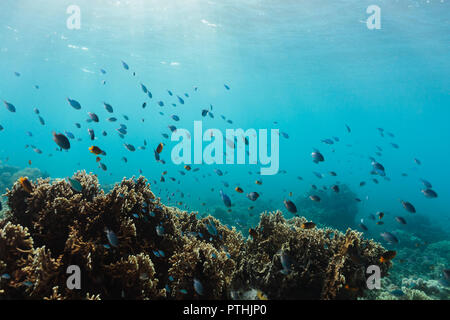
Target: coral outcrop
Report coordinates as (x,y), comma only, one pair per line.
(128,245)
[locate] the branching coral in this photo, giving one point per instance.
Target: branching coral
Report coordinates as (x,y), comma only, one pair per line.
(128,245)
(286,261)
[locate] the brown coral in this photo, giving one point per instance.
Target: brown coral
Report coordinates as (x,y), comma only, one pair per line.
(128,245)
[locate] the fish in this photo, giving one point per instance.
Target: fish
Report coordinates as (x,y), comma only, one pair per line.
(180,100)
(112,238)
(74,104)
(426,183)
(253,196)
(363,226)
(93,116)
(317,157)
(41,120)
(198,287)
(239,190)
(204,112)
(175,117)
(335,188)
(389,237)
(314,198)
(61,140)
(400,220)
(91,134)
(102,166)
(108,107)
(96,150)
(388,256)
(408,206)
(160,147)
(9,106)
(218,172)
(75,184)
(226,200)
(348,128)
(144,88)
(290,206)
(286,262)
(226,87)
(129,147)
(26,184)
(380,215)
(429,193)
(308,225)
(125,65)
(112,119)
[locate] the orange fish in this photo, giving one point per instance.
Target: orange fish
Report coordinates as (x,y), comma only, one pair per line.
(308,225)
(258,182)
(388,256)
(95,150)
(26,184)
(187,167)
(29,162)
(239,189)
(160,147)
(98,159)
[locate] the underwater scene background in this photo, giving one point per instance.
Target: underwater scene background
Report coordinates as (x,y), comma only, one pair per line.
(363,138)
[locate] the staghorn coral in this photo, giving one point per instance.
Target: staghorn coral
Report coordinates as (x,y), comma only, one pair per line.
(128,245)
(322,261)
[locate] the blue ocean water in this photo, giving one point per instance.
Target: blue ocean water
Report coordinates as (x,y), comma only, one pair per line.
(307,68)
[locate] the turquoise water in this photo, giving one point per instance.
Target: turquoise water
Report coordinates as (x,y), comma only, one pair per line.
(307,68)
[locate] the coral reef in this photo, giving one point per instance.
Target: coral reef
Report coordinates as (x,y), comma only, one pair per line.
(323,263)
(128,245)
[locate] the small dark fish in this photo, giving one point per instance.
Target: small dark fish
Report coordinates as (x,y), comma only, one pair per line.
(389,237)
(125,65)
(348,128)
(363,226)
(408,206)
(102,166)
(226,87)
(74,104)
(180,100)
(108,107)
(9,106)
(314,198)
(226,200)
(204,112)
(93,116)
(317,157)
(144,105)
(396,146)
(429,193)
(129,147)
(144,88)
(112,119)
(175,117)
(170,92)
(61,140)
(103,71)
(36,111)
(400,220)
(426,183)
(91,134)
(417,161)
(253,196)
(78,125)
(125,117)
(290,206)
(335,188)
(218,172)
(285,135)
(161,104)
